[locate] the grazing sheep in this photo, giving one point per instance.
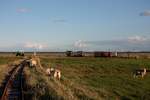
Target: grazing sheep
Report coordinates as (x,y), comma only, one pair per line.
(33,63)
(141,73)
(52,69)
(144,72)
(48,72)
(53,72)
(57,74)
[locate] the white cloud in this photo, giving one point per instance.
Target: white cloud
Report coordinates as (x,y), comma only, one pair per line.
(137,39)
(35,45)
(23,10)
(130,43)
(80,44)
(60,21)
(145,13)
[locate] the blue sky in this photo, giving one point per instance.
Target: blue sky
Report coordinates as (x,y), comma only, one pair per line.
(55,25)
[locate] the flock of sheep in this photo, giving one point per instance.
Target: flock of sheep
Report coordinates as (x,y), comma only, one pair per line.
(56,73)
(51,72)
(141,73)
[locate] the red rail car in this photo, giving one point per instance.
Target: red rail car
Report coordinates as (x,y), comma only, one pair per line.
(102,54)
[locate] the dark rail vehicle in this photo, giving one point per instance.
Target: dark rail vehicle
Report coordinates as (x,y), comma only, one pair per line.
(68,53)
(19,53)
(74,54)
(102,54)
(78,54)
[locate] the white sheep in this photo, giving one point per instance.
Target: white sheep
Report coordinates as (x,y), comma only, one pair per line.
(53,72)
(57,74)
(144,72)
(33,63)
(141,73)
(48,71)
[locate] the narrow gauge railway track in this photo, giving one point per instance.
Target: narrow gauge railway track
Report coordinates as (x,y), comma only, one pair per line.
(14,87)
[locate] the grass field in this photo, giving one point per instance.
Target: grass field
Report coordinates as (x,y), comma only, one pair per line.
(5,67)
(91,79)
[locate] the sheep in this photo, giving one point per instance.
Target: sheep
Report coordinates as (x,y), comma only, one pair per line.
(48,72)
(53,72)
(57,74)
(141,73)
(144,72)
(33,63)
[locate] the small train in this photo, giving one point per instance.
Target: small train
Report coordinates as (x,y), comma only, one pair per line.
(19,53)
(94,54)
(74,54)
(103,54)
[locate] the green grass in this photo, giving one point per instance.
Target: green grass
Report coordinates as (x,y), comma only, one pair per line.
(97,78)
(7,60)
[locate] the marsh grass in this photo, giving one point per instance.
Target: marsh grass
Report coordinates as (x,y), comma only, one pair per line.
(5,66)
(93,79)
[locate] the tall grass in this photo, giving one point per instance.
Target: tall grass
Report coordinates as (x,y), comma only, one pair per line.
(5,67)
(95,79)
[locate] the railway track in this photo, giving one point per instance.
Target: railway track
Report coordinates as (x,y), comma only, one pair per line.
(13,89)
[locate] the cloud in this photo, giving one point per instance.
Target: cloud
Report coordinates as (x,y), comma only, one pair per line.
(131,43)
(137,39)
(80,44)
(145,13)
(35,45)
(23,10)
(138,43)
(60,21)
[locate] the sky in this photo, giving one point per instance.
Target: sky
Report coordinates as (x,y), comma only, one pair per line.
(88,25)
